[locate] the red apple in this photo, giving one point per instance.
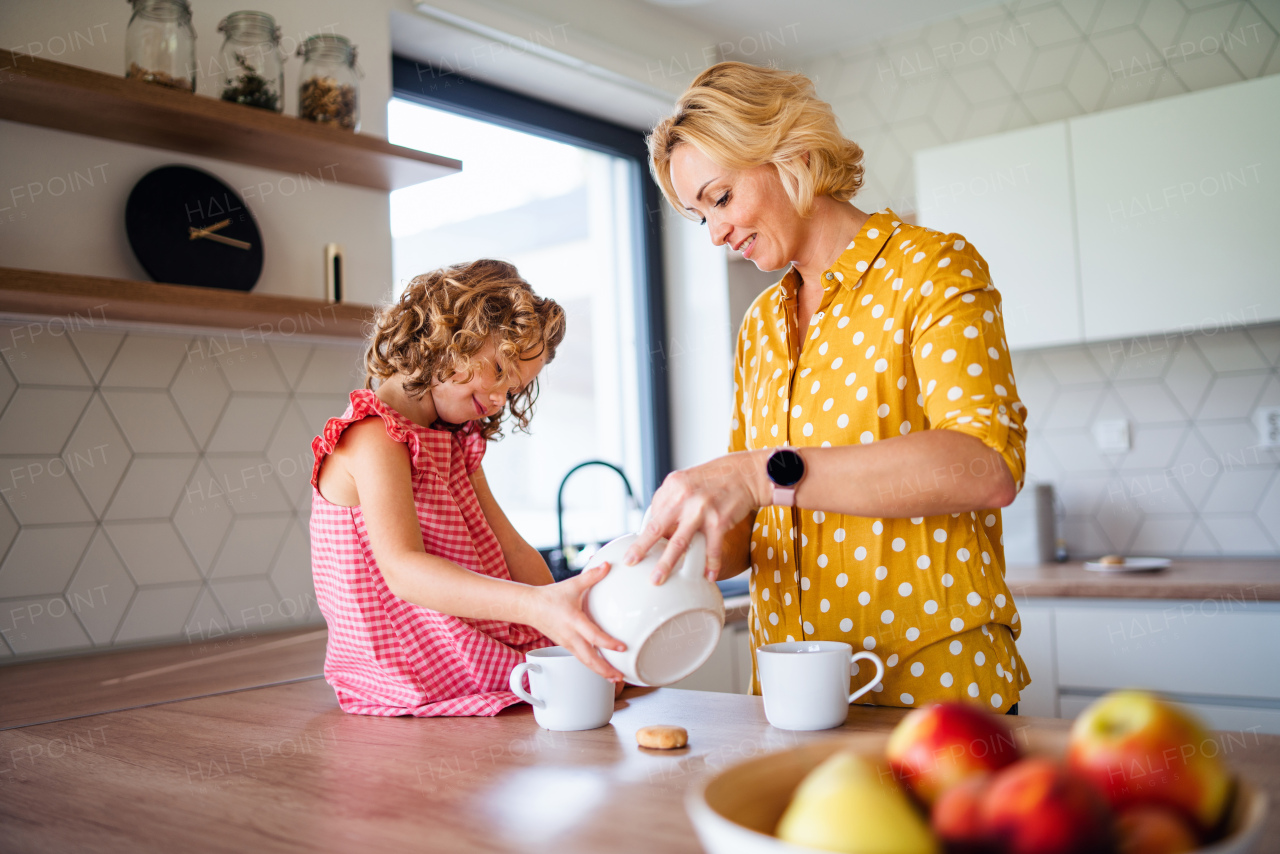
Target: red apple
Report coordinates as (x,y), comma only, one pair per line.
(936,747)
(1153,829)
(1038,807)
(957,815)
(1139,749)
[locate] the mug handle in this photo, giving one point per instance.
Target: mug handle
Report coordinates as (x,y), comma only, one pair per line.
(874,659)
(517,684)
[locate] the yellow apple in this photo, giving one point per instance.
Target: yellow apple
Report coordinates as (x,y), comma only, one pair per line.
(852,804)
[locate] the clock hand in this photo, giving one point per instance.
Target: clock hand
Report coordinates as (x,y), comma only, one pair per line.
(230,241)
(201,232)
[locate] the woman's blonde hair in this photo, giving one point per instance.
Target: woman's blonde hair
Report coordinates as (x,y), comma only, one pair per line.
(742,116)
(446,317)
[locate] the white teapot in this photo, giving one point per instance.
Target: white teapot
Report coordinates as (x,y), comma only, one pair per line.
(669,629)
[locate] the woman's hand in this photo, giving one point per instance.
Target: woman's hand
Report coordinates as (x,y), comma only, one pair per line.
(560,615)
(711,498)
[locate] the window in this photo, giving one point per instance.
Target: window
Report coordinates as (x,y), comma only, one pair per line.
(569,212)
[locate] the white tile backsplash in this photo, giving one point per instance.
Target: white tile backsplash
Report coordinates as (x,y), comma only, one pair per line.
(1195,466)
(179,488)
(38,420)
(1194,481)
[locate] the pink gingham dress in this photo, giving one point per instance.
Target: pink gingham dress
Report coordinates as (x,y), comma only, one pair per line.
(387,656)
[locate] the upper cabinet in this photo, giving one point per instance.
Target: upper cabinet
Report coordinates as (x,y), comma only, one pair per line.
(1178,211)
(1137,221)
(1010,196)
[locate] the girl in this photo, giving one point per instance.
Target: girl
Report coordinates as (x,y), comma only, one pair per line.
(430,595)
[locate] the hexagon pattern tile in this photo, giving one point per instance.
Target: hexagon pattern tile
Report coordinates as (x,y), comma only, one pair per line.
(1195,481)
(155,485)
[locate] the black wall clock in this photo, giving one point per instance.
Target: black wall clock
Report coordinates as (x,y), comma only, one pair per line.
(186,227)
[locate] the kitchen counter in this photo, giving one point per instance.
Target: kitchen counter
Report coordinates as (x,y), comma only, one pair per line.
(281,768)
(1239,580)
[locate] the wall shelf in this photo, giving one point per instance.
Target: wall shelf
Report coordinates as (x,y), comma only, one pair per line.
(82,301)
(65,97)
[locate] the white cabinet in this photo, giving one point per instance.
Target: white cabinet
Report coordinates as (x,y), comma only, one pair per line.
(1010,196)
(1035,645)
(1177,209)
(1219,656)
(1159,217)
(1210,647)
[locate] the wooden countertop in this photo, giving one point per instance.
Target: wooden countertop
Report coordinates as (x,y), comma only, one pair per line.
(1242,580)
(281,768)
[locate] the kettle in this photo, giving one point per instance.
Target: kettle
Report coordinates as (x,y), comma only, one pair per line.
(670,629)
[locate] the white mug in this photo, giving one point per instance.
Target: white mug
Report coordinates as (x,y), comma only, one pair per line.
(806,683)
(565,694)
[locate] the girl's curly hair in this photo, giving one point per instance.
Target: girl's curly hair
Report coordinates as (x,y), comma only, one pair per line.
(446,317)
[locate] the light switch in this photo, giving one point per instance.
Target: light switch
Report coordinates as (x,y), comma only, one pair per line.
(1268,420)
(1112,437)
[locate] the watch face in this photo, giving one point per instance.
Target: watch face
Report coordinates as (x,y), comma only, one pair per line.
(188,228)
(785,468)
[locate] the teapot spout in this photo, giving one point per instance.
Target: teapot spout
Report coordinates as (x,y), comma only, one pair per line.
(695,557)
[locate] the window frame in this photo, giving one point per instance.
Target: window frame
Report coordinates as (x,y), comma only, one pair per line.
(433,87)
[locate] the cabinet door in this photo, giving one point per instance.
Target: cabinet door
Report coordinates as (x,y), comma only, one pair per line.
(1225,647)
(1035,645)
(1177,212)
(1010,196)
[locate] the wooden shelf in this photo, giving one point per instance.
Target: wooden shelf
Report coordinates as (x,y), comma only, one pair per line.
(65,97)
(82,301)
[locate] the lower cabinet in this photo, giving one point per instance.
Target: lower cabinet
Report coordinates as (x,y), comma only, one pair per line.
(728,670)
(1218,656)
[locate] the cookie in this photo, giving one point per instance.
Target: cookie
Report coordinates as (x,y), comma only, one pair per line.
(662,737)
(1111,560)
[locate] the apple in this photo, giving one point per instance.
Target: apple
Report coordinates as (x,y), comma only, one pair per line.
(1154,829)
(852,803)
(957,815)
(935,747)
(1036,806)
(1139,749)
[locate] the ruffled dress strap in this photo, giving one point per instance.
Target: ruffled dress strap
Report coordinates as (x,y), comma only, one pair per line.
(365,404)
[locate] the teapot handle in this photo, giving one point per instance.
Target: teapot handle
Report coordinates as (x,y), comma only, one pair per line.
(695,557)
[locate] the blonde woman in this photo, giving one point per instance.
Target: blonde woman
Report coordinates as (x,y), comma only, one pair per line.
(876,428)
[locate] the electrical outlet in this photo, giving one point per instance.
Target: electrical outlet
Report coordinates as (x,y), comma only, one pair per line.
(1112,437)
(1267,419)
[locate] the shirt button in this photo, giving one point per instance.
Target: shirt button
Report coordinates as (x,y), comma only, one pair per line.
(830,276)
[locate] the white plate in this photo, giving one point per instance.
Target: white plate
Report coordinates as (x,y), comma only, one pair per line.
(1131,564)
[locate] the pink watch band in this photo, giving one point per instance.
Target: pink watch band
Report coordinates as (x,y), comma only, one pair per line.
(784,496)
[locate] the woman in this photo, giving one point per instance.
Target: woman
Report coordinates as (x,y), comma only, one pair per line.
(876,427)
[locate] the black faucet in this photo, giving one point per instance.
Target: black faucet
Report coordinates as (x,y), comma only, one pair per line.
(559,558)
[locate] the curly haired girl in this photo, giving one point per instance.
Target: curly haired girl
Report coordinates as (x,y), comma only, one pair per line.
(430,595)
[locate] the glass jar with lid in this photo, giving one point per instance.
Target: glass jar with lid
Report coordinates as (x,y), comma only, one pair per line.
(329,92)
(251,65)
(160,44)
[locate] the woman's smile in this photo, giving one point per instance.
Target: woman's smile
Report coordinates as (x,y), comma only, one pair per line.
(747,245)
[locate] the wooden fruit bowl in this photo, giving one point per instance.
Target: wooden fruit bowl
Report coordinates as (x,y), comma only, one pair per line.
(734,811)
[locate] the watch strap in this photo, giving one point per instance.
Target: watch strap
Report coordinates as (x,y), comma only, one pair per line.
(784,496)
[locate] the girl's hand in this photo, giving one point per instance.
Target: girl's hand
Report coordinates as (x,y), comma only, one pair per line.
(561,615)
(710,498)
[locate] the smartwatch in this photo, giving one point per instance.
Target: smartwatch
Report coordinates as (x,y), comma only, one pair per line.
(785,469)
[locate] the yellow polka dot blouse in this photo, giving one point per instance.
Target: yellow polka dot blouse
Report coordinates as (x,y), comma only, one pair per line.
(908,337)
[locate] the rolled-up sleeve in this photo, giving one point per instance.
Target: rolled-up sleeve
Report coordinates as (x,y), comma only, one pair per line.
(961,357)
